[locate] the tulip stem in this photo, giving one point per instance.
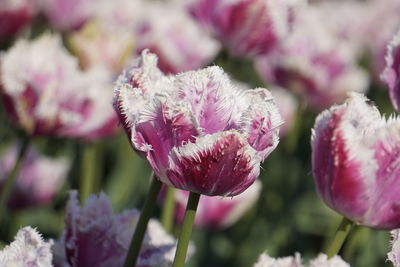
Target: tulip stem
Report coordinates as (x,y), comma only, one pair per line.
(186,231)
(88,171)
(167,215)
(12,176)
(341,233)
(145,214)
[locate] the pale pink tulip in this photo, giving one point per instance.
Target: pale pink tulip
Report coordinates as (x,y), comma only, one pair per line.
(198,131)
(45,93)
(38,179)
(394,254)
(94,236)
(321,261)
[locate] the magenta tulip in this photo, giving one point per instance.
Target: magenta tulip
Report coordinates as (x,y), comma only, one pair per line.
(198,131)
(354,156)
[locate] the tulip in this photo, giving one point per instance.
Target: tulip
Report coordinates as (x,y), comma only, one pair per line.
(28,249)
(354,153)
(198,131)
(314,63)
(321,261)
(14,16)
(390,75)
(38,180)
(179,42)
(94,236)
(45,93)
(394,254)
(246,27)
(217,212)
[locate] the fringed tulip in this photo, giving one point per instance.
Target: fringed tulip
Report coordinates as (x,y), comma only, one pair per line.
(246,27)
(391,74)
(38,180)
(217,212)
(394,254)
(321,261)
(94,236)
(314,63)
(354,163)
(14,15)
(168,31)
(198,131)
(28,249)
(45,93)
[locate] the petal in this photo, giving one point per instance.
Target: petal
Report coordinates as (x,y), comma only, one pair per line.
(323,261)
(210,94)
(391,75)
(343,164)
(394,254)
(217,164)
(163,125)
(266,261)
(260,121)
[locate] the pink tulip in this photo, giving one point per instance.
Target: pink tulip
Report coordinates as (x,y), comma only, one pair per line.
(394,254)
(45,93)
(28,249)
(245,27)
(181,45)
(391,74)
(14,16)
(198,131)
(354,161)
(314,63)
(38,180)
(217,212)
(321,261)
(94,236)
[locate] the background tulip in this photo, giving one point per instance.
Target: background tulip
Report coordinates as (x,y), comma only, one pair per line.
(394,254)
(354,152)
(217,212)
(38,180)
(198,132)
(45,93)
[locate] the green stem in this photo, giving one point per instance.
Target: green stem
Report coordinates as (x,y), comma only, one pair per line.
(167,215)
(186,231)
(88,171)
(10,180)
(343,230)
(145,214)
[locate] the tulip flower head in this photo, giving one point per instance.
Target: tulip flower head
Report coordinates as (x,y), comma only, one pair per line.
(394,254)
(321,261)
(38,180)
(246,27)
(28,249)
(45,93)
(94,236)
(198,131)
(314,63)
(391,74)
(216,212)
(354,155)
(179,42)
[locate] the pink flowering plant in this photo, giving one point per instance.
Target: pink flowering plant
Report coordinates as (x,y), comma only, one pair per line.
(199,133)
